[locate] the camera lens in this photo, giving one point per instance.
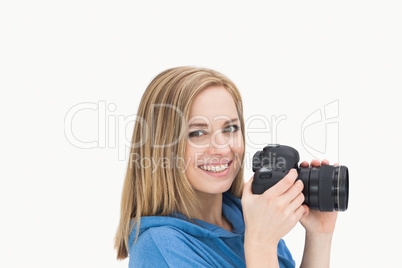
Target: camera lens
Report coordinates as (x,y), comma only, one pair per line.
(326,188)
(341,188)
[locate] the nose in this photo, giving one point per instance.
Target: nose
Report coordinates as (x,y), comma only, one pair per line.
(219,144)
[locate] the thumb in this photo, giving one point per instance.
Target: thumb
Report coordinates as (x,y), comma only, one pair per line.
(303,219)
(247,187)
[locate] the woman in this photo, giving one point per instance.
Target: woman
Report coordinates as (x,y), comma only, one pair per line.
(181,197)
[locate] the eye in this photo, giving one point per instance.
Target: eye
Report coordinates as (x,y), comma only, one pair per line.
(231,128)
(196,133)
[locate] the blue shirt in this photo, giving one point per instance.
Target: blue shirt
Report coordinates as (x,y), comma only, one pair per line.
(166,241)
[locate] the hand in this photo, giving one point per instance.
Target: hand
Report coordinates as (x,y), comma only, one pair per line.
(271,215)
(315,221)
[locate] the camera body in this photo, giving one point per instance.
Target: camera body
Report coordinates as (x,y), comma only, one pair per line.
(325,188)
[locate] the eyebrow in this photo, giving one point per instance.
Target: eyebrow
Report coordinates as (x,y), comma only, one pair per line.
(206,125)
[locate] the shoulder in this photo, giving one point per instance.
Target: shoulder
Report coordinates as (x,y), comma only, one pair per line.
(156,238)
(164,246)
(145,252)
(284,256)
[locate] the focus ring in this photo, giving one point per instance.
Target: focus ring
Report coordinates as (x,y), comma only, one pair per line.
(325,197)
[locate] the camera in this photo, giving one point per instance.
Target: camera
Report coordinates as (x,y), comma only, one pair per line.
(325,188)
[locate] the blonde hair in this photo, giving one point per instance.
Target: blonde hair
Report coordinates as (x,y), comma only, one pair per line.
(166,105)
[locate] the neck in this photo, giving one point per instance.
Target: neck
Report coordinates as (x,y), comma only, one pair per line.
(210,208)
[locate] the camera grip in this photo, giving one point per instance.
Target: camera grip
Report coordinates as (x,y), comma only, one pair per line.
(264,179)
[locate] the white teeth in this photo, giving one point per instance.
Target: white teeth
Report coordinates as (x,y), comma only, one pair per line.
(215,169)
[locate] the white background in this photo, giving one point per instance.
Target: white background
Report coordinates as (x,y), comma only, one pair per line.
(60,203)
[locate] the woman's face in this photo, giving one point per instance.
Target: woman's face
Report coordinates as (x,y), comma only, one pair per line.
(214,143)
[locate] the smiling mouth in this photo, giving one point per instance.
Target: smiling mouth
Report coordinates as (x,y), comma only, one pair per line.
(215,168)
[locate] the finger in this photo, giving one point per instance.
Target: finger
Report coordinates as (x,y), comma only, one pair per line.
(296,202)
(306,211)
(315,163)
(325,162)
(247,186)
(293,191)
(304,164)
(300,212)
(283,185)
(336,164)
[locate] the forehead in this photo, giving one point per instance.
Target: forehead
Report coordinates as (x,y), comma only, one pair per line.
(212,103)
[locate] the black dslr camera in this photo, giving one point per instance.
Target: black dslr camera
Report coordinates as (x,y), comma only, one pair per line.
(325,188)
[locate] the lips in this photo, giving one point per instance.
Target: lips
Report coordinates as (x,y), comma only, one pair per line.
(215,167)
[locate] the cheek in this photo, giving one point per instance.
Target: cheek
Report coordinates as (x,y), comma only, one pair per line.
(187,152)
(238,152)
(192,154)
(237,144)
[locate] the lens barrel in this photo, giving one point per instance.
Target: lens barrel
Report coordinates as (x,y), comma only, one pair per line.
(326,188)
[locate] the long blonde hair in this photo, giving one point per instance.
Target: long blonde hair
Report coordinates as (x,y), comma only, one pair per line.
(161,120)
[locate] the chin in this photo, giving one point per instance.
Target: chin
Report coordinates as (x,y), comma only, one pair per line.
(215,189)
